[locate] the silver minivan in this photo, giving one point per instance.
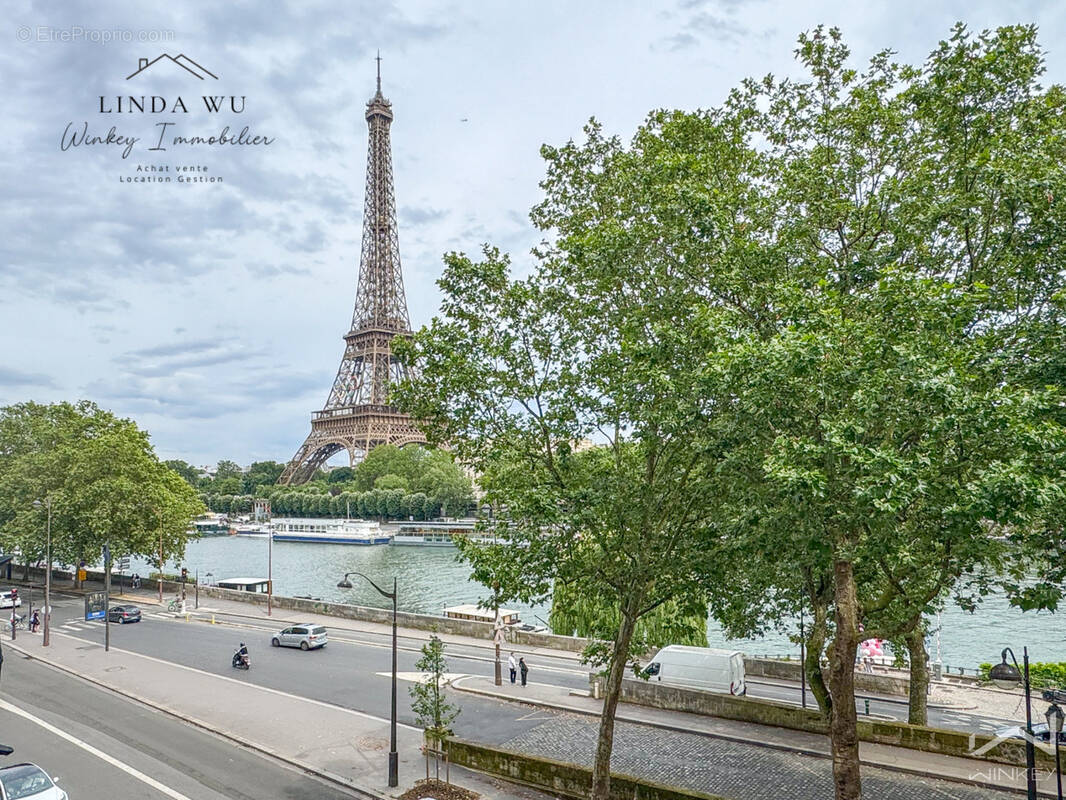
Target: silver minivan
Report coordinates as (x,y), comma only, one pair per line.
(306,636)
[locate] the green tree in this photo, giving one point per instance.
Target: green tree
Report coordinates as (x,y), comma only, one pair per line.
(340,475)
(432,709)
(227,469)
(228,486)
(391,481)
(879,437)
(104,480)
(260,475)
(515,372)
(188,472)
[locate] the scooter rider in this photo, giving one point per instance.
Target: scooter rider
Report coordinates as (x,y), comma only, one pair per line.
(241,655)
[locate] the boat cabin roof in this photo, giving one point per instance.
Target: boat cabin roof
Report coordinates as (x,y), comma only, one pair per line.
(472,611)
(244,584)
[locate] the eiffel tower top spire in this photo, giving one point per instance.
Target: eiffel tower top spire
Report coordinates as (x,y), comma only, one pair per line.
(378,105)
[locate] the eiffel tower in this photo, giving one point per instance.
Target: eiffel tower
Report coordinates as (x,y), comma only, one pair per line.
(357,416)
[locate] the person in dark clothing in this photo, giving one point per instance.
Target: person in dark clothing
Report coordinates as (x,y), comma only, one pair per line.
(524,669)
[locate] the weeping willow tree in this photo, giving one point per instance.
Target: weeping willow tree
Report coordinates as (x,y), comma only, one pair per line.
(578,613)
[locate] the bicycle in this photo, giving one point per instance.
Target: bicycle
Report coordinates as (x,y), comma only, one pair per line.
(20,623)
(174,605)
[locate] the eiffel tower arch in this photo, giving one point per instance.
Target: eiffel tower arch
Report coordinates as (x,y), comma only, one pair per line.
(357,416)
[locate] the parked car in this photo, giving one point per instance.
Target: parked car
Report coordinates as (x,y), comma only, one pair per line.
(1040,733)
(704,668)
(8,598)
(28,782)
(124,614)
(306,636)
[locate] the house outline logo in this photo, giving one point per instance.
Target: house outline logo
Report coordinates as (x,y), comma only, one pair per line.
(182,60)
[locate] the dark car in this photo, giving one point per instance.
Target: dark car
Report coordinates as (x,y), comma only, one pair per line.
(124,614)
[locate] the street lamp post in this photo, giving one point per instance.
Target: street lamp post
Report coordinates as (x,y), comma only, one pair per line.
(270,571)
(47,570)
(1007,675)
(394,758)
(803,663)
(1054,717)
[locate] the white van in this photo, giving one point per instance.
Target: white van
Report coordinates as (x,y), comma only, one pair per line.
(699,668)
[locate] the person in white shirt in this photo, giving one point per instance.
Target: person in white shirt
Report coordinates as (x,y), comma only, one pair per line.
(513,666)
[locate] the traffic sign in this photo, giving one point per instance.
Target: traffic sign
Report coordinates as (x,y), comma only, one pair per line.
(124,563)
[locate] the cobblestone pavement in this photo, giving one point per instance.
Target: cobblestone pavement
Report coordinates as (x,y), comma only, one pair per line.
(730,769)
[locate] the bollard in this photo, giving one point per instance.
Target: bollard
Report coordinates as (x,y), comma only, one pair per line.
(212,619)
(867,704)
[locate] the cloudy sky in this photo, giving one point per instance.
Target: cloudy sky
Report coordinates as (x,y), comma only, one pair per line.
(212,313)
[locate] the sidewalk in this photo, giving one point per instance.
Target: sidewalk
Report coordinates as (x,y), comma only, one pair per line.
(343,746)
(899,759)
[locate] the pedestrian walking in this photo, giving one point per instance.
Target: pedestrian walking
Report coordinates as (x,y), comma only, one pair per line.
(513,666)
(35,620)
(523,669)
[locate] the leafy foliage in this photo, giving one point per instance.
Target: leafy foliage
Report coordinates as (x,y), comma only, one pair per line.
(432,709)
(102,479)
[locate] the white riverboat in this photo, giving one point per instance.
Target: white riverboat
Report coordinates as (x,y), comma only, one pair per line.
(328,531)
(210,525)
(259,531)
(439,534)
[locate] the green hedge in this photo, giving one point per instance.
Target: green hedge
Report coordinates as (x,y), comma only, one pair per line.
(1041,675)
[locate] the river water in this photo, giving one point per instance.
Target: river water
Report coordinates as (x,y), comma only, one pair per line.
(429,578)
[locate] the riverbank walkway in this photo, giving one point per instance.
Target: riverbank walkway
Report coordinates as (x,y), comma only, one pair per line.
(730,758)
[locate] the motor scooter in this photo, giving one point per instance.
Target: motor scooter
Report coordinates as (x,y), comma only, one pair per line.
(241,661)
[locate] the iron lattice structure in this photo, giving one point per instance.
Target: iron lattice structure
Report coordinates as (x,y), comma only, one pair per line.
(357,416)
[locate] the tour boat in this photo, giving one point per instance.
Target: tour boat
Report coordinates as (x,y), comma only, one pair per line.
(251,529)
(210,525)
(328,531)
(439,534)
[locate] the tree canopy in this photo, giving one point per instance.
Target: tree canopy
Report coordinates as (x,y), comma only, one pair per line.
(818,326)
(102,479)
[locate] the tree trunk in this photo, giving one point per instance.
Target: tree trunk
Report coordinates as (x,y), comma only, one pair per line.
(601,766)
(844,740)
(919,711)
(816,637)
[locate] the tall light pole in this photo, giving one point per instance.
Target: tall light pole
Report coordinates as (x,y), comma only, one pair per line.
(160,515)
(1054,717)
(46,640)
(394,758)
(1006,675)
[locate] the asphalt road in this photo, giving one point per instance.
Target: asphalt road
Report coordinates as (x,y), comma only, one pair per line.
(100,746)
(351,670)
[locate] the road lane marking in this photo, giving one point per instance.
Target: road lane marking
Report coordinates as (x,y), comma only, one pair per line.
(176,795)
(258,686)
(257,626)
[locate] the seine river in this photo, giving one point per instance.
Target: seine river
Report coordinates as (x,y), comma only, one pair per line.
(429,578)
